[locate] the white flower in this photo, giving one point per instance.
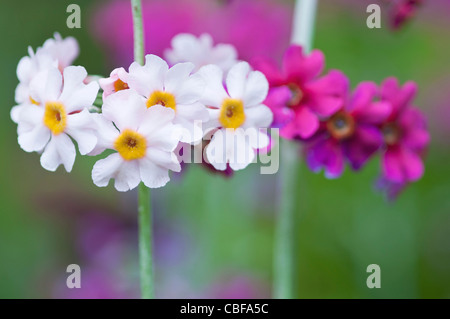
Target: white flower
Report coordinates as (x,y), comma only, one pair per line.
(61,114)
(145,140)
(56,52)
(237,115)
(65,51)
(201,52)
(114,83)
(174,88)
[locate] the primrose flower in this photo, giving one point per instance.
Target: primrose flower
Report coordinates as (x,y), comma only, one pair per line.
(61,113)
(114,83)
(405,134)
(200,51)
(144,139)
(236,115)
(56,52)
(351,133)
(173,88)
(65,51)
(311,96)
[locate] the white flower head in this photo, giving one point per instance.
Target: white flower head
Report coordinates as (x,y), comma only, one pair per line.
(144,140)
(173,88)
(65,51)
(60,114)
(236,114)
(115,82)
(201,51)
(55,52)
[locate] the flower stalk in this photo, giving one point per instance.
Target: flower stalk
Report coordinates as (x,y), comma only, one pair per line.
(144,201)
(284,260)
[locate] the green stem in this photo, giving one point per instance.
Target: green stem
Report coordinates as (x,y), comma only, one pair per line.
(284,260)
(144,208)
(145,243)
(136,7)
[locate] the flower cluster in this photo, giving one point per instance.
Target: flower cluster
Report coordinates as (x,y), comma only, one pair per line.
(144,114)
(338,127)
(205,96)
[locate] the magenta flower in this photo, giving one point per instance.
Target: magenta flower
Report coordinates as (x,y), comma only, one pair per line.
(405,134)
(351,134)
(297,111)
(254,27)
(403,11)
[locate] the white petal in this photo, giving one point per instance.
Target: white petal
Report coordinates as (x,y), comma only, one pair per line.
(191,117)
(259,116)
(60,150)
(15,113)
(125,173)
(155,118)
(149,77)
(213,121)
(187,89)
(81,127)
(177,75)
(153,176)
(76,95)
(214,93)
(125,108)
(167,160)
(106,134)
(236,80)
(239,153)
(22,93)
(35,139)
(25,68)
(256,89)
(216,151)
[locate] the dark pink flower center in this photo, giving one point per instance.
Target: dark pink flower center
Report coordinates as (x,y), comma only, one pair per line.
(341,125)
(297,95)
(391,133)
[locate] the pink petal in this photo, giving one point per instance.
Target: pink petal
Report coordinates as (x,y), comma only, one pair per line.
(277,100)
(399,97)
(305,124)
(374,113)
(326,153)
(270,70)
(362,97)
(392,165)
(364,143)
(299,67)
(327,94)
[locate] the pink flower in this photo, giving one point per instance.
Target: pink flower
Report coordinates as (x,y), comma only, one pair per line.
(351,134)
(254,27)
(298,110)
(403,11)
(115,82)
(405,134)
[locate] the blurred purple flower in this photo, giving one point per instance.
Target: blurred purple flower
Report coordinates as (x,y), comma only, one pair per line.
(254,27)
(405,135)
(351,134)
(239,287)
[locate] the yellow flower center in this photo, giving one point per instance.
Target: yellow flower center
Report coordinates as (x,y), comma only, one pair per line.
(162,98)
(131,145)
(33,101)
(232,113)
(119,85)
(55,117)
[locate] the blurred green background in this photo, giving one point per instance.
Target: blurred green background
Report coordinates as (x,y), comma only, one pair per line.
(342,225)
